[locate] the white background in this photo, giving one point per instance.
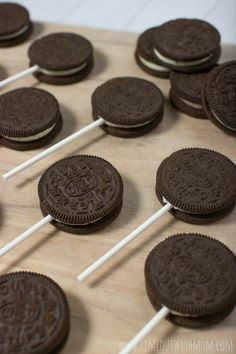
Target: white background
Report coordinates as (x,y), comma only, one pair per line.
(135,15)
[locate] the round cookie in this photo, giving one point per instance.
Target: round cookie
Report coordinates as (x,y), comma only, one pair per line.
(63,58)
(34,314)
(185,92)
(15,25)
(130,106)
(29,118)
(199,183)
(82,193)
(145,57)
(194,276)
(186,45)
(218,96)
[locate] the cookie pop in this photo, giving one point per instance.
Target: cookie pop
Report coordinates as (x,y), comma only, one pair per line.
(34,314)
(190,281)
(195,185)
(29,118)
(15,24)
(124,107)
(58,59)
(79,195)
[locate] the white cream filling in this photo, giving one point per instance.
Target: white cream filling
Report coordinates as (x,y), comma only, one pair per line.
(180,63)
(225,125)
(151,65)
(63,72)
(31,138)
(15,34)
(125,126)
(191,104)
(182,314)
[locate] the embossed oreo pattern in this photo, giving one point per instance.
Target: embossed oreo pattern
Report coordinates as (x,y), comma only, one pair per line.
(127,101)
(80,189)
(27,111)
(13,17)
(221,94)
(186,39)
(34,314)
(60,51)
(192,274)
(197,181)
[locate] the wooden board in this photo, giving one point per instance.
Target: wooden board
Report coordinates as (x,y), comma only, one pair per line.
(112,306)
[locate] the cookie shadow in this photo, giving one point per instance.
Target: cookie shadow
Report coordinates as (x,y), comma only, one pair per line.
(100,63)
(38,29)
(170,118)
(228,52)
(80,326)
(123,259)
(11,265)
(3,73)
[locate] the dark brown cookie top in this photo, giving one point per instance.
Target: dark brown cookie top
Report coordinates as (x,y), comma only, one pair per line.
(80,189)
(198,181)
(13,17)
(186,39)
(60,51)
(192,274)
(145,45)
(34,314)
(127,101)
(27,111)
(188,86)
(221,94)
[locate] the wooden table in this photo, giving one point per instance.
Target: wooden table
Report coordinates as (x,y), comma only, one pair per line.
(112,305)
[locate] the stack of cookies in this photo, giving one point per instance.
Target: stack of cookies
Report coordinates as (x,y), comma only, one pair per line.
(186,51)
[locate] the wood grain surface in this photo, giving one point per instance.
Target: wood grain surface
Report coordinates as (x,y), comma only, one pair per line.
(112,305)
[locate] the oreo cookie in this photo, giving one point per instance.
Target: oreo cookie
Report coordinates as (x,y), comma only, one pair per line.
(82,193)
(185,92)
(187,45)
(15,24)
(199,183)
(34,314)
(218,96)
(63,58)
(194,276)
(29,118)
(145,56)
(130,106)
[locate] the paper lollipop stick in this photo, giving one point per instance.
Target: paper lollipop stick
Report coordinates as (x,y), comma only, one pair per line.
(145,330)
(124,242)
(25,235)
(173,189)
(92,188)
(31,70)
(53,148)
(110,113)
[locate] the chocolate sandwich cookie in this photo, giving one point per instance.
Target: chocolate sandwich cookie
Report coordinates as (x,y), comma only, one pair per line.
(63,58)
(218,96)
(29,118)
(146,58)
(82,193)
(186,45)
(194,276)
(15,24)
(199,183)
(130,106)
(185,92)
(34,314)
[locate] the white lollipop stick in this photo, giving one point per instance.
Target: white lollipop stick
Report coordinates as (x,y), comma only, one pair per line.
(162,313)
(25,234)
(94,266)
(53,148)
(18,76)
